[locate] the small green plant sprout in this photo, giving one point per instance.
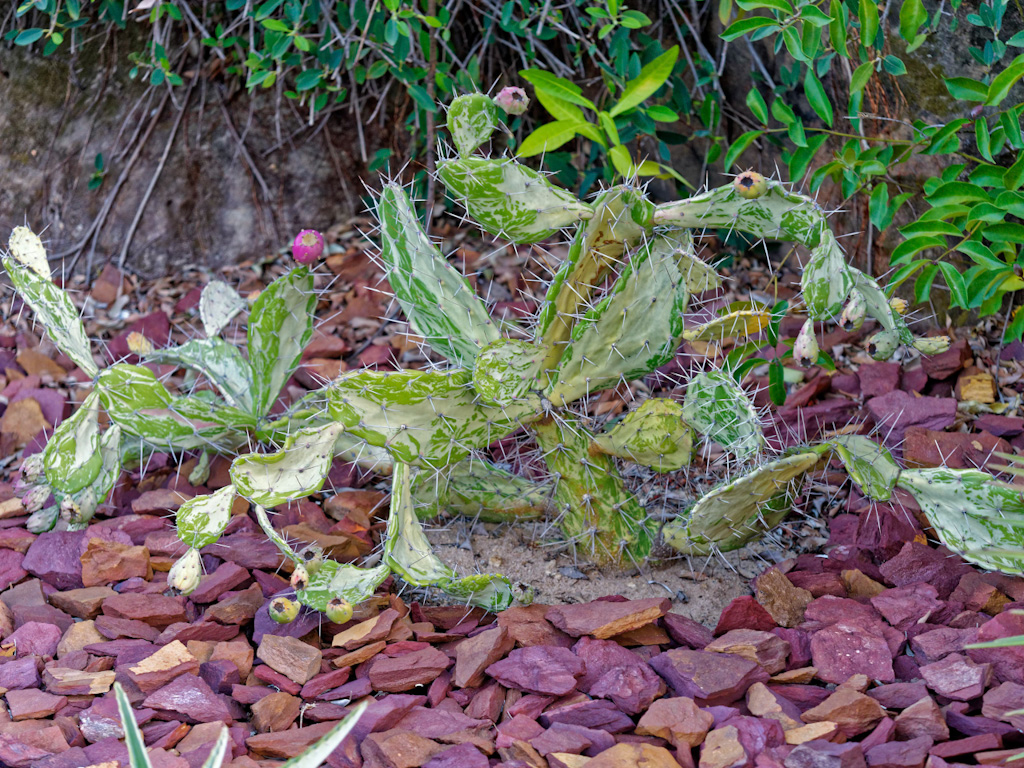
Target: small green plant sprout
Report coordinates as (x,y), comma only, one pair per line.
(313,756)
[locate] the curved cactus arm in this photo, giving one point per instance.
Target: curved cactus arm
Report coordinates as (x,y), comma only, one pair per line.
(595,511)
(408,553)
(745,322)
(717,407)
(654,435)
(622,217)
(426,418)
(869,465)
(735,513)
(776,215)
(876,305)
(294,472)
(202,519)
(136,400)
(973,514)
(220,362)
(437,299)
(280,327)
(349,582)
(71,458)
(506,370)
(633,330)
(479,489)
(827,281)
(509,199)
(218,305)
(52,306)
(271,533)
(472,119)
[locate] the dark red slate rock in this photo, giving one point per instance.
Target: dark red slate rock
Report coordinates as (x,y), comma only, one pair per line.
(896,411)
(475,654)
(1007,663)
(463,755)
(114,628)
(967,747)
(878,378)
(228,576)
(825,754)
(900,754)
(54,557)
(220,675)
(744,612)
(945,364)
(936,644)
(712,678)
(844,649)
(20,673)
(11,571)
(190,697)
(156,610)
(903,607)
(922,718)
(1000,426)
(1000,701)
(603,619)
(403,673)
(35,639)
(957,677)
(597,714)
(898,695)
(249,550)
(539,669)
(686,631)
(920,564)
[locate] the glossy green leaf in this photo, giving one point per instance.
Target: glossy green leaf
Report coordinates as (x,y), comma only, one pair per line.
(868,23)
(1001,84)
(912,16)
(547,138)
(817,97)
(559,87)
(966,89)
(756,104)
(646,84)
(738,147)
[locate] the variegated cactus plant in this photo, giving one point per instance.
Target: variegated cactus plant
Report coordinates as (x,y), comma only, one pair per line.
(613,313)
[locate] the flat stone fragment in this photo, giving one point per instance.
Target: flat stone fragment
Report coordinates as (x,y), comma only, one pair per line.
(275,712)
(911,753)
(923,718)
(238,608)
(167,663)
(824,754)
(540,669)
(158,611)
(296,660)
(824,730)
(84,603)
(403,673)
(32,704)
(73,682)
(853,712)
(35,639)
(398,748)
(722,749)
(1000,701)
(957,677)
(678,720)
(527,626)
(844,649)
(763,648)
(473,655)
(284,745)
(781,598)
(190,697)
(367,632)
(106,561)
(597,714)
(603,619)
(711,678)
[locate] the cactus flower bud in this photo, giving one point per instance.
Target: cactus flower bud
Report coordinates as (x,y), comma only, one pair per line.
(805,350)
(33,469)
(34,500)
(339,610)
(312,558)
(69,510)
(139,344)
(883,344)
(185,573)
(750,184)
(899,306)
(853,313)
(283,610)
(308,246)
(932,345)
(513,100)
(300,577)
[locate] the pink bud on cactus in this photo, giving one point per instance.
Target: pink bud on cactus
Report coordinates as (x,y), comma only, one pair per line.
(308,246)
(513,100)
(805,350)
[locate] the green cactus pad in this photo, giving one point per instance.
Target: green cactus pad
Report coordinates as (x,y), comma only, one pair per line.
(218,305)
(509,199)
(471,121)
(280,327)
(717,407)
(654,435)
(55,311)
(72,459)
(776,215)
(741,323)
(202,519)
(294,472)
(595,511)
(869,465)
(973,514)
(735,513)
(426,418)
(507,370)
(622,217)
(349,582)
(137,401)
(437,299)
(827,281)
(478,489)
(700,276)
(220,362)
(633,330)
(27,249)
(408,553)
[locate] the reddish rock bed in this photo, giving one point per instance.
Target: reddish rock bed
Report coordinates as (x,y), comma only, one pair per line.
(856,658)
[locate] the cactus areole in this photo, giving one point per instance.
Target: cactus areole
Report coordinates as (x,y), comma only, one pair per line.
(612,314)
